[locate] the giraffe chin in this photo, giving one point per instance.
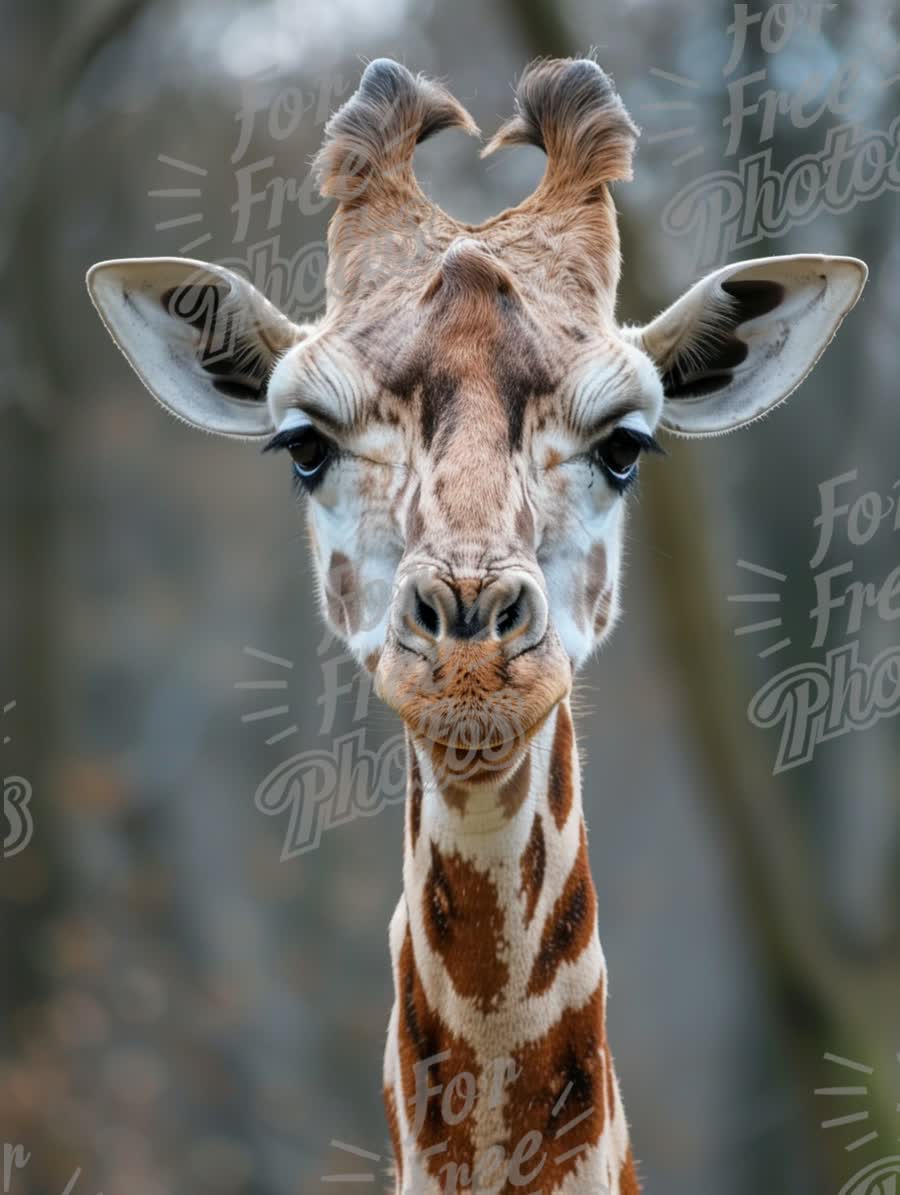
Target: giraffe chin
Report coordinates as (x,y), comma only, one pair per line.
(477,741)
(486,766)
(471,705)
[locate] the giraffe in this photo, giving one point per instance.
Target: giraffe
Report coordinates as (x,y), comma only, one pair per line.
(465,423)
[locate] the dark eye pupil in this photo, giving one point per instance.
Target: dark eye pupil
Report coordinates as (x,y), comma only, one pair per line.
(309,452)
(619,453)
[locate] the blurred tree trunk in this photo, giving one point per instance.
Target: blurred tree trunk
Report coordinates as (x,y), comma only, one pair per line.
(33,882)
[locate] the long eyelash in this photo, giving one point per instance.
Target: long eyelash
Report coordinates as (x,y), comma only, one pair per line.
(644,440)
(284,439)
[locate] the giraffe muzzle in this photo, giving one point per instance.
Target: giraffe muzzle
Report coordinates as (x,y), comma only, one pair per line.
(436,613)
(472,664)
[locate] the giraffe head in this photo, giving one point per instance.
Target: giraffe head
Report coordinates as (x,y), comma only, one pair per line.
(468,416)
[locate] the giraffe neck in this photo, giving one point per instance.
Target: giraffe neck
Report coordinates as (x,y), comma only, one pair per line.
(498,1076)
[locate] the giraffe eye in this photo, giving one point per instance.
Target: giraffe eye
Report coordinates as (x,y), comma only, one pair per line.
(309,449)
(619,453)
(310,452)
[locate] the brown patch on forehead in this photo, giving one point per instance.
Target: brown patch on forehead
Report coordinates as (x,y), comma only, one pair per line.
(342,593)
(471,339)
(522,373)
(569,926)
(464,923)
(532,866)
(422,1035)
(419,376)
(561,779)
(560,1083)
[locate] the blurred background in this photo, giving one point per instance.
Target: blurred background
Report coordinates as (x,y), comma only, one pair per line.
(181,1008)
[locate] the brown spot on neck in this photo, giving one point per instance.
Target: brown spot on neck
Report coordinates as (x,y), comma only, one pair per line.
(465,926)
(422,1036)
(561,780)
(560,1082)
(414,797)
(532,867)
(569,926)
(628,1181)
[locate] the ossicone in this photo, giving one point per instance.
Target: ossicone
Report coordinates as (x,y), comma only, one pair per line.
(569,108)
(370,141)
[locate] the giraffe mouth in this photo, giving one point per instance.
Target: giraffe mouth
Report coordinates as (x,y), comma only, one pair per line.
(456,743)
(470,763)
(474,766)
(474,709)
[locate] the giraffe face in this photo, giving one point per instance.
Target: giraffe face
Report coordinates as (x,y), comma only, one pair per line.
(467,416)
(467,449)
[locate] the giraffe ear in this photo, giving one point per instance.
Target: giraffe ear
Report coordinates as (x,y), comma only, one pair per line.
(744,338)
(202,339)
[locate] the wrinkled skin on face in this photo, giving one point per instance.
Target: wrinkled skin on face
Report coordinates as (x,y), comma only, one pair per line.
(465,523)
(460,394)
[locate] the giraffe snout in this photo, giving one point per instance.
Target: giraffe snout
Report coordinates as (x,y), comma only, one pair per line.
(435,612)
(472,666)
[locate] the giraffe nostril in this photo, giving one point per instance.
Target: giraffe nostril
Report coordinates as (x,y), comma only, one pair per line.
(510,616)
(426,615)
